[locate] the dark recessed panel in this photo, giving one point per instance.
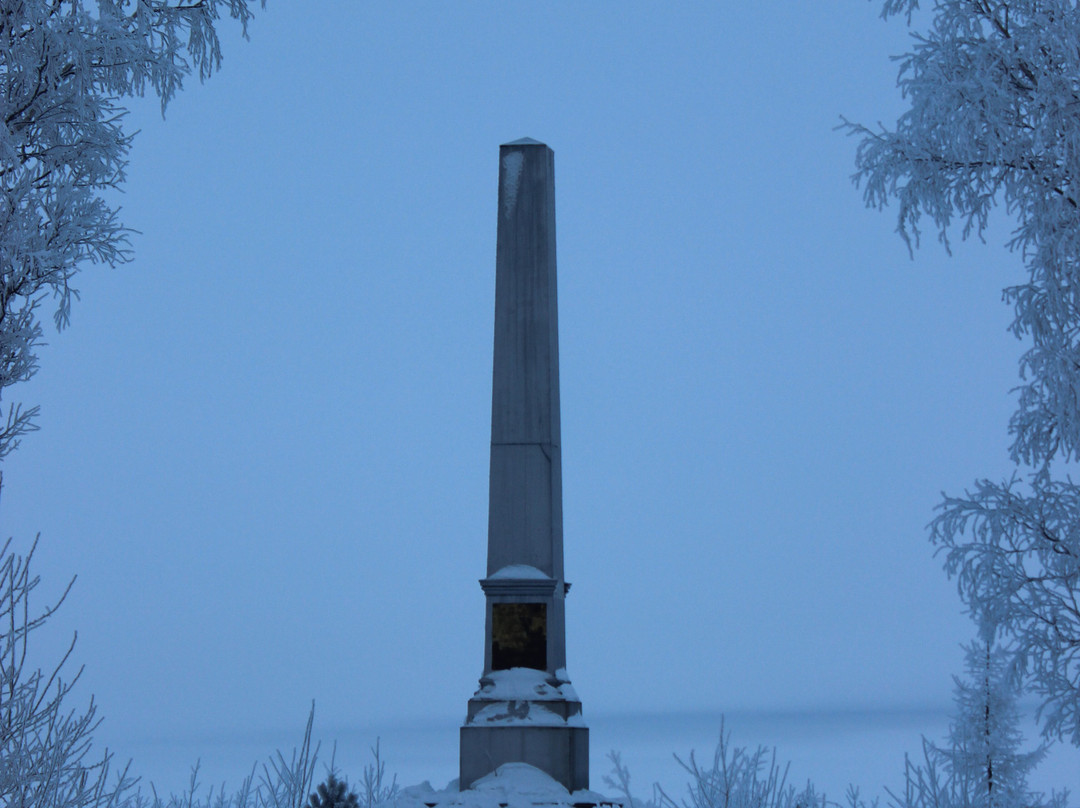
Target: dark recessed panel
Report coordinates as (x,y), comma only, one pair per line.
(519,636)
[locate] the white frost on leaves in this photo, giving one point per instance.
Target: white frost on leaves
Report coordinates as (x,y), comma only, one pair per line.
(520,571)
(513,163)
(512,785)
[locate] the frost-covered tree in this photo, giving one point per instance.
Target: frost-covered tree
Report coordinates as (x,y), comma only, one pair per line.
(983,751)
(981,765)
(993,89)
(66,69)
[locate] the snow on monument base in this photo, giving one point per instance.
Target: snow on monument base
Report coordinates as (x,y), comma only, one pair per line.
(512,785)
(561,752)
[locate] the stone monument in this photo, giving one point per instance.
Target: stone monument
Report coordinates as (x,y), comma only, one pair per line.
(526,710)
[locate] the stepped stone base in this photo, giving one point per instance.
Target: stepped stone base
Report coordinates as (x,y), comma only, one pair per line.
(560,751)
(512,785)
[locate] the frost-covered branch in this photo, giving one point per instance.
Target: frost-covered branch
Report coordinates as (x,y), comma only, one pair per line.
(1014,550)
(738,778)
(981,764)
(68,69)
(45,744)
(993,118)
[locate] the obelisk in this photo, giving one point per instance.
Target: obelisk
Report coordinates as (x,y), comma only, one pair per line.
(526,709)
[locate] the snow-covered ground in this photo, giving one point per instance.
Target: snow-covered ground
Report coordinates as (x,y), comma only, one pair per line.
(832,748)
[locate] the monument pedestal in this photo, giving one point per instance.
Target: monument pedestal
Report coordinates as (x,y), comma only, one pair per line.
(528,716)
(562,752)
(512,785)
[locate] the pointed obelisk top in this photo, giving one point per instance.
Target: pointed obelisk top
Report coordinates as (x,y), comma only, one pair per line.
(524,141)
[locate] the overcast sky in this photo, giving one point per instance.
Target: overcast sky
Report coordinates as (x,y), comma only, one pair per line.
(264,444)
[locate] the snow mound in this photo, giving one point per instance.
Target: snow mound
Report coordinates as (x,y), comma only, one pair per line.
(512,785)
(524,684)
(520,571)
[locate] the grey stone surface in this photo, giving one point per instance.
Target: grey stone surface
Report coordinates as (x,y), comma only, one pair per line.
(562,752)
(525,538)
(525,494)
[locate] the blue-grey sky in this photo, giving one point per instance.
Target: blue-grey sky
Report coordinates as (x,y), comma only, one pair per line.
(264,444)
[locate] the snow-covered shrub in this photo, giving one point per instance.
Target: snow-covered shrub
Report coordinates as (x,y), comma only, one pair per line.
(46,759)
(46,744)
(619,781)
(284,783)
(736,778)
(375,789)
(740,778)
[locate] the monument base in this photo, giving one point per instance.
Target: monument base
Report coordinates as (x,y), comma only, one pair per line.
(525,715)
(560,752)
(512,785)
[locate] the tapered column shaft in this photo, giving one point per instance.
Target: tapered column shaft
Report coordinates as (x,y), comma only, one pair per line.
(525,505)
